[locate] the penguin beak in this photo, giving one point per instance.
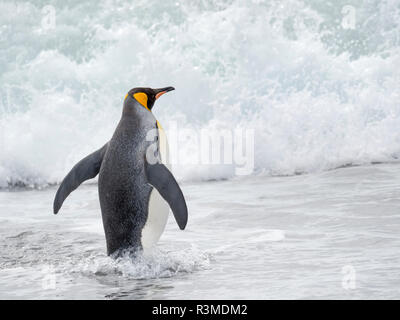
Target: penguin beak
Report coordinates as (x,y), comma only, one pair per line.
(161,91)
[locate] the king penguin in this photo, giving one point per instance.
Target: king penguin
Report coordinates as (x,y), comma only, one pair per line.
(136,187)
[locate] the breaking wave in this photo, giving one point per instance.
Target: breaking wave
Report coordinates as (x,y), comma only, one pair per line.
(317,94)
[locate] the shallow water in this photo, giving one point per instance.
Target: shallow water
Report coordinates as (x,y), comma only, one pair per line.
(326,235)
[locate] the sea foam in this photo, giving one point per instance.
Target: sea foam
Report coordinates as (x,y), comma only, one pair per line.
(317,95)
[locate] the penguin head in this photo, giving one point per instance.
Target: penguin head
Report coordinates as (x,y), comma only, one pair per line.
(146,96)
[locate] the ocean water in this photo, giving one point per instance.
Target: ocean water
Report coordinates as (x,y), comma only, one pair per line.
(330,235)
(315,82)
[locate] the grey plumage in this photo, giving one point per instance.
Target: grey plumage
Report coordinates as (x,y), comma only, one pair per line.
(123,187)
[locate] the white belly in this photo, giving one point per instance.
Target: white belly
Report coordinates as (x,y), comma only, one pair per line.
(158,209)
(156,220)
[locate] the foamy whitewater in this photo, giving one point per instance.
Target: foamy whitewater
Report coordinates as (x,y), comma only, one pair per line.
(320,94)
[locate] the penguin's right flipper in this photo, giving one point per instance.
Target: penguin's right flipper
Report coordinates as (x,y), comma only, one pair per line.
(84,170)
(162,179)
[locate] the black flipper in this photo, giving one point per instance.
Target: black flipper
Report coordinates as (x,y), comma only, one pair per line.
(84,170)
(162,179)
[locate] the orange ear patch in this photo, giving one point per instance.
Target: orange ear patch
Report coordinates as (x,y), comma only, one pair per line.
(142,99)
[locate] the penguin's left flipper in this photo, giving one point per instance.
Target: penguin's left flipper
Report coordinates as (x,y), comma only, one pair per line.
(162,179)
(84,170)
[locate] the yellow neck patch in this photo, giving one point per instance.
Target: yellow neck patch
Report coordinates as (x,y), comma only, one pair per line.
(163,144)
(142,99)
